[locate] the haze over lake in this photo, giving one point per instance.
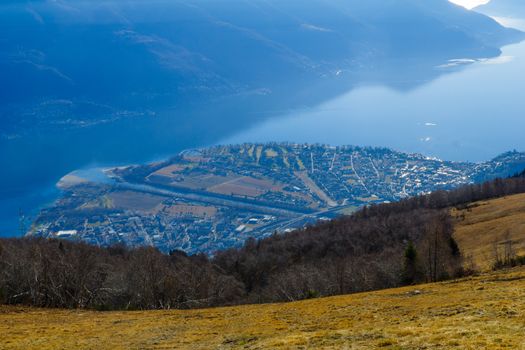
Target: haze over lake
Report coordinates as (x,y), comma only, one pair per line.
(438,103)
(474,114)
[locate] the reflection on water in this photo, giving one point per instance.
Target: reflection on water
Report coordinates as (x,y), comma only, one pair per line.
(473,114)
(456,109)
(37,162)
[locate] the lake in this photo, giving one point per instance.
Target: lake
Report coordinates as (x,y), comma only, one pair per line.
(459,110)
(475,114)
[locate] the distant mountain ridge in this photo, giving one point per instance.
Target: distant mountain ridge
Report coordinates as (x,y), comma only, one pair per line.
(175,74)
(202,49)
(196,71)
(507,8)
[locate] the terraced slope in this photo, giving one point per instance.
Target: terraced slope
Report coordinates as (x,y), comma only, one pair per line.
(486,312)
(490,228)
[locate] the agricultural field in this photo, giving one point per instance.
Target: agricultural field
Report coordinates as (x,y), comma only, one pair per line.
(205,200)
(181,210)
(246,187)
(134,201)
(484,312)
(218,178)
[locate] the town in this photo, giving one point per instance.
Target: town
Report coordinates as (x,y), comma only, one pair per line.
(205,200)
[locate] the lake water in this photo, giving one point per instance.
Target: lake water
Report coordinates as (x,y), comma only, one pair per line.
(473,114)
(460,110)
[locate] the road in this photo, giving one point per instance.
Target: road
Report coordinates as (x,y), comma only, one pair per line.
(210,199)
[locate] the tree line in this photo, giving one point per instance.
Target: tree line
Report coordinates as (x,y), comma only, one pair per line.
(380,246)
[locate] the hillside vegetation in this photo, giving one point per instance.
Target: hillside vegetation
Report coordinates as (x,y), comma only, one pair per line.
(381,246)
(489,231)
(485,312)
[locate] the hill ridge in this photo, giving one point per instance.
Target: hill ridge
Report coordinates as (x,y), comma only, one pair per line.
(380,246)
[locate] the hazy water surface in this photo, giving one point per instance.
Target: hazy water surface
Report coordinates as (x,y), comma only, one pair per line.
(473,114)
(458,110)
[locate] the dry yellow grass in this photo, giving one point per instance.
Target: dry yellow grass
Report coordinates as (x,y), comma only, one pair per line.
(490,224)
(486,312)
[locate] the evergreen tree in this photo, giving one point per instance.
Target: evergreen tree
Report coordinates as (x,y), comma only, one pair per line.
(410,264)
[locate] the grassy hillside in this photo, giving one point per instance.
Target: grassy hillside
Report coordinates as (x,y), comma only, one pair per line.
(485,312)
(487,227)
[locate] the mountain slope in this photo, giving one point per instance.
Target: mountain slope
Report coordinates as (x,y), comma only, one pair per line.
(105,72)
(484,312)
(505,8)
(488,230)
(378,247)
(142,54)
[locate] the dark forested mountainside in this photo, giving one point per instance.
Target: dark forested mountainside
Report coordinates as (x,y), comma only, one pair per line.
(380,246)
(182,44)
(196,72)
(191,51)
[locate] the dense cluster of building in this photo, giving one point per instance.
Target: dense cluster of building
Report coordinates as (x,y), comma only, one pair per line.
(215,198)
